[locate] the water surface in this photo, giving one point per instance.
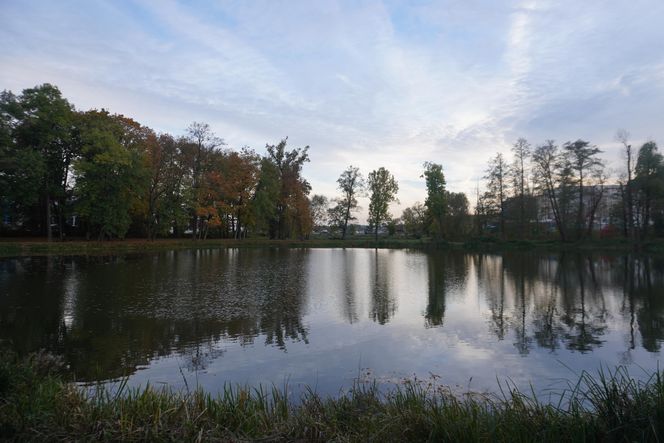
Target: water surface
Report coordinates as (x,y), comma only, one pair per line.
(326,317)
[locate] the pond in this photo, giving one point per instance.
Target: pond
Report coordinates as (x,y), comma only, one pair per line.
(325,318)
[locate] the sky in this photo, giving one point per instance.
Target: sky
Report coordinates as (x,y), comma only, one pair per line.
(363,83)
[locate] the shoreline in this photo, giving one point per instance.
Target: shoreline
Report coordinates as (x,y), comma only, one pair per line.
(40,247)
(38,401)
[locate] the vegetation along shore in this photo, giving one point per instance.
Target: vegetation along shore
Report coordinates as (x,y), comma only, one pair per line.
(67,173)
(41,247)
(38,403)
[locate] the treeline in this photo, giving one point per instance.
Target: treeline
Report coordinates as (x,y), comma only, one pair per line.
(563,189)
(103,176)
(99,175)
(444,214)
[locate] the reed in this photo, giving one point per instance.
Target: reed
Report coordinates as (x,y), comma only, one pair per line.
(37,402)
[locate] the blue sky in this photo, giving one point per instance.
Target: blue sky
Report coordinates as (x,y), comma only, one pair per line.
(375,83)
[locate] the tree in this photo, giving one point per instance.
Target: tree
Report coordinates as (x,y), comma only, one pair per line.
(519,172)
(481,211)
(585,164)
(351,184)
(627,188)
(553,178)
(383,189)
(456,217)
(239,179)
(414,220)
(336,216)
(319,205)
(649,181)
(39,126)
(111,173)
(435,201)
(293,216)
(21,169)
(164,205)
(268,188)
(202,142)
(496,193)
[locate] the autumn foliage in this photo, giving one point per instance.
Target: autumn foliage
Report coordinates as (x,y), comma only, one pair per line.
(102,176)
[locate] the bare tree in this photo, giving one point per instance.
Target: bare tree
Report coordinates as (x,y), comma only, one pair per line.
(584,162)
(521,150)
(546,160)
(627,188)
(496,176)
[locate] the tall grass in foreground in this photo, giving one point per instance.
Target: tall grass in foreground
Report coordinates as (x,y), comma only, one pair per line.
(36,403)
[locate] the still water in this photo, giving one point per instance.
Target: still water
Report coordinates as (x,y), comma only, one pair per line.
(326,317)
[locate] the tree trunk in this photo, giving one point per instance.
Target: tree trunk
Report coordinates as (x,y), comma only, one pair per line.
(60,220)
(556,212)
(579,216)
(623,197)
(345,227)
(49,231)
(194,227)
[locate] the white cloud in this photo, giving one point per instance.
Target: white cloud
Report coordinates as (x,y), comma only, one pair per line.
(370,83)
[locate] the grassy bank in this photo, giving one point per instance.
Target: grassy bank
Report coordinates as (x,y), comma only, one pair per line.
(36,247)
(37,403)
(32,247)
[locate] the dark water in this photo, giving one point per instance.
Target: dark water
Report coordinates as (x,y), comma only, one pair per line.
(324,317)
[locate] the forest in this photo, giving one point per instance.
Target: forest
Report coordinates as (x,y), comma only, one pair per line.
(66,173)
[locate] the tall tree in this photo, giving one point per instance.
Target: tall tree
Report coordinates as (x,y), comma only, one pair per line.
(164,202)
(456,217)
(351,184)
(649,182)
(239,171)
(202,142)
(519,172)
(111,173)
(209,200)
(496,176)
(585,164)
(552,179)
(268,188)
(40,124)
(383,189)
(435,201)
(293,216)
(21,169)
(627,187)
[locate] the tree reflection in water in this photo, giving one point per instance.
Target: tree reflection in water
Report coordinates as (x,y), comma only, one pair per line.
(179,302)
(560,300)
(110,315)
(383,304)
(435,312)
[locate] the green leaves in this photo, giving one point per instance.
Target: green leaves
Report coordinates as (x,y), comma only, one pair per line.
(351,184)
(383,189)
(36,148)
(111,175)
(435,202)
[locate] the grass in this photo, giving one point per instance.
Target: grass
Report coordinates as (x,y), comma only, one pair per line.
(33,247)
(37,403)
(37,247)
